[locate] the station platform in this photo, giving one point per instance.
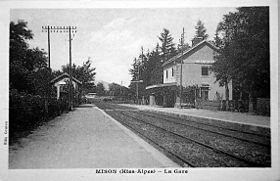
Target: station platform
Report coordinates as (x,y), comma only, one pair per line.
(85,138)
(230,117)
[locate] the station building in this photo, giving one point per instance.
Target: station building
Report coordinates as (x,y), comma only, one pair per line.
(196,72)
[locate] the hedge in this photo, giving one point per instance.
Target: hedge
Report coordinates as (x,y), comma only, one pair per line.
(27,111)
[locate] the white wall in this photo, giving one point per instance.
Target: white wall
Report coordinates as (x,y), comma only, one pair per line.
(170,78)
(191,74)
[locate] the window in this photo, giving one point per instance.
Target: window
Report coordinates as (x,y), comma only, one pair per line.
(166,73)
(204,71)
(204,93)
(172,72)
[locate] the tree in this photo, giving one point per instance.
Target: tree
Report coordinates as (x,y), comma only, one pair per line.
(144,71)
(19,34)
(245,50)
(35,60)
(185,46)
(139,71)
(85,73)
(200,30)
(221,69)
(28,66)
(200,33)
(119,91)
(222,66)
(100,90)
(40,81)
(167,47)
(134,70)
(115,89)
(155,67)
(39,74)
(217,39)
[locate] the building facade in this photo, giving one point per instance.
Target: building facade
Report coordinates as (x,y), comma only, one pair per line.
(196,72)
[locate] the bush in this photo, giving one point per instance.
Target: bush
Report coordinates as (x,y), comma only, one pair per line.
(27,111)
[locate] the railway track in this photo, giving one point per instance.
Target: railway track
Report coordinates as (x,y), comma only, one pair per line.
(240,135)
(253,154)
(194,145)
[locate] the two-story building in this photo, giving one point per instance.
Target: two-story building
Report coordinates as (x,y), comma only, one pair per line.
(196,63)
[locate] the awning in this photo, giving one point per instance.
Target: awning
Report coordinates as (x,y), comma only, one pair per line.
(166,88)
(161,85)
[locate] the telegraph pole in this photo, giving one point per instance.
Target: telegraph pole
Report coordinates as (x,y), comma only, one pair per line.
(138,75)
(137,89)
(181,71)
(63,29)
(70,70)
(47,29)
(49,47)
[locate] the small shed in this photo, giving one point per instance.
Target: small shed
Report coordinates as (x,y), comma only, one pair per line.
(60,81)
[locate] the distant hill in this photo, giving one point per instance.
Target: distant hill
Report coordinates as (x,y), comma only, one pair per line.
(105,84)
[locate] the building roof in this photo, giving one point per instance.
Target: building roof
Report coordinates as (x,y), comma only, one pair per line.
(191,51)
(161,85)
(62,76)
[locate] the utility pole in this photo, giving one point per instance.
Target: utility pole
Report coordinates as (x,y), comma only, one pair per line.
(142,55)
(137,82)
(138,77)
(70,70)
(47,29)
(181,71)
(63,29)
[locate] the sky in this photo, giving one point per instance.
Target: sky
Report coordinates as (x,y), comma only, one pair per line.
(111,38)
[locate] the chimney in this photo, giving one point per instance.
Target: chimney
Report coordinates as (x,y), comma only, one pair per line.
(196,40)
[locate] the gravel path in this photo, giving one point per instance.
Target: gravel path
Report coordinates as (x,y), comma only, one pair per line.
(83,138)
